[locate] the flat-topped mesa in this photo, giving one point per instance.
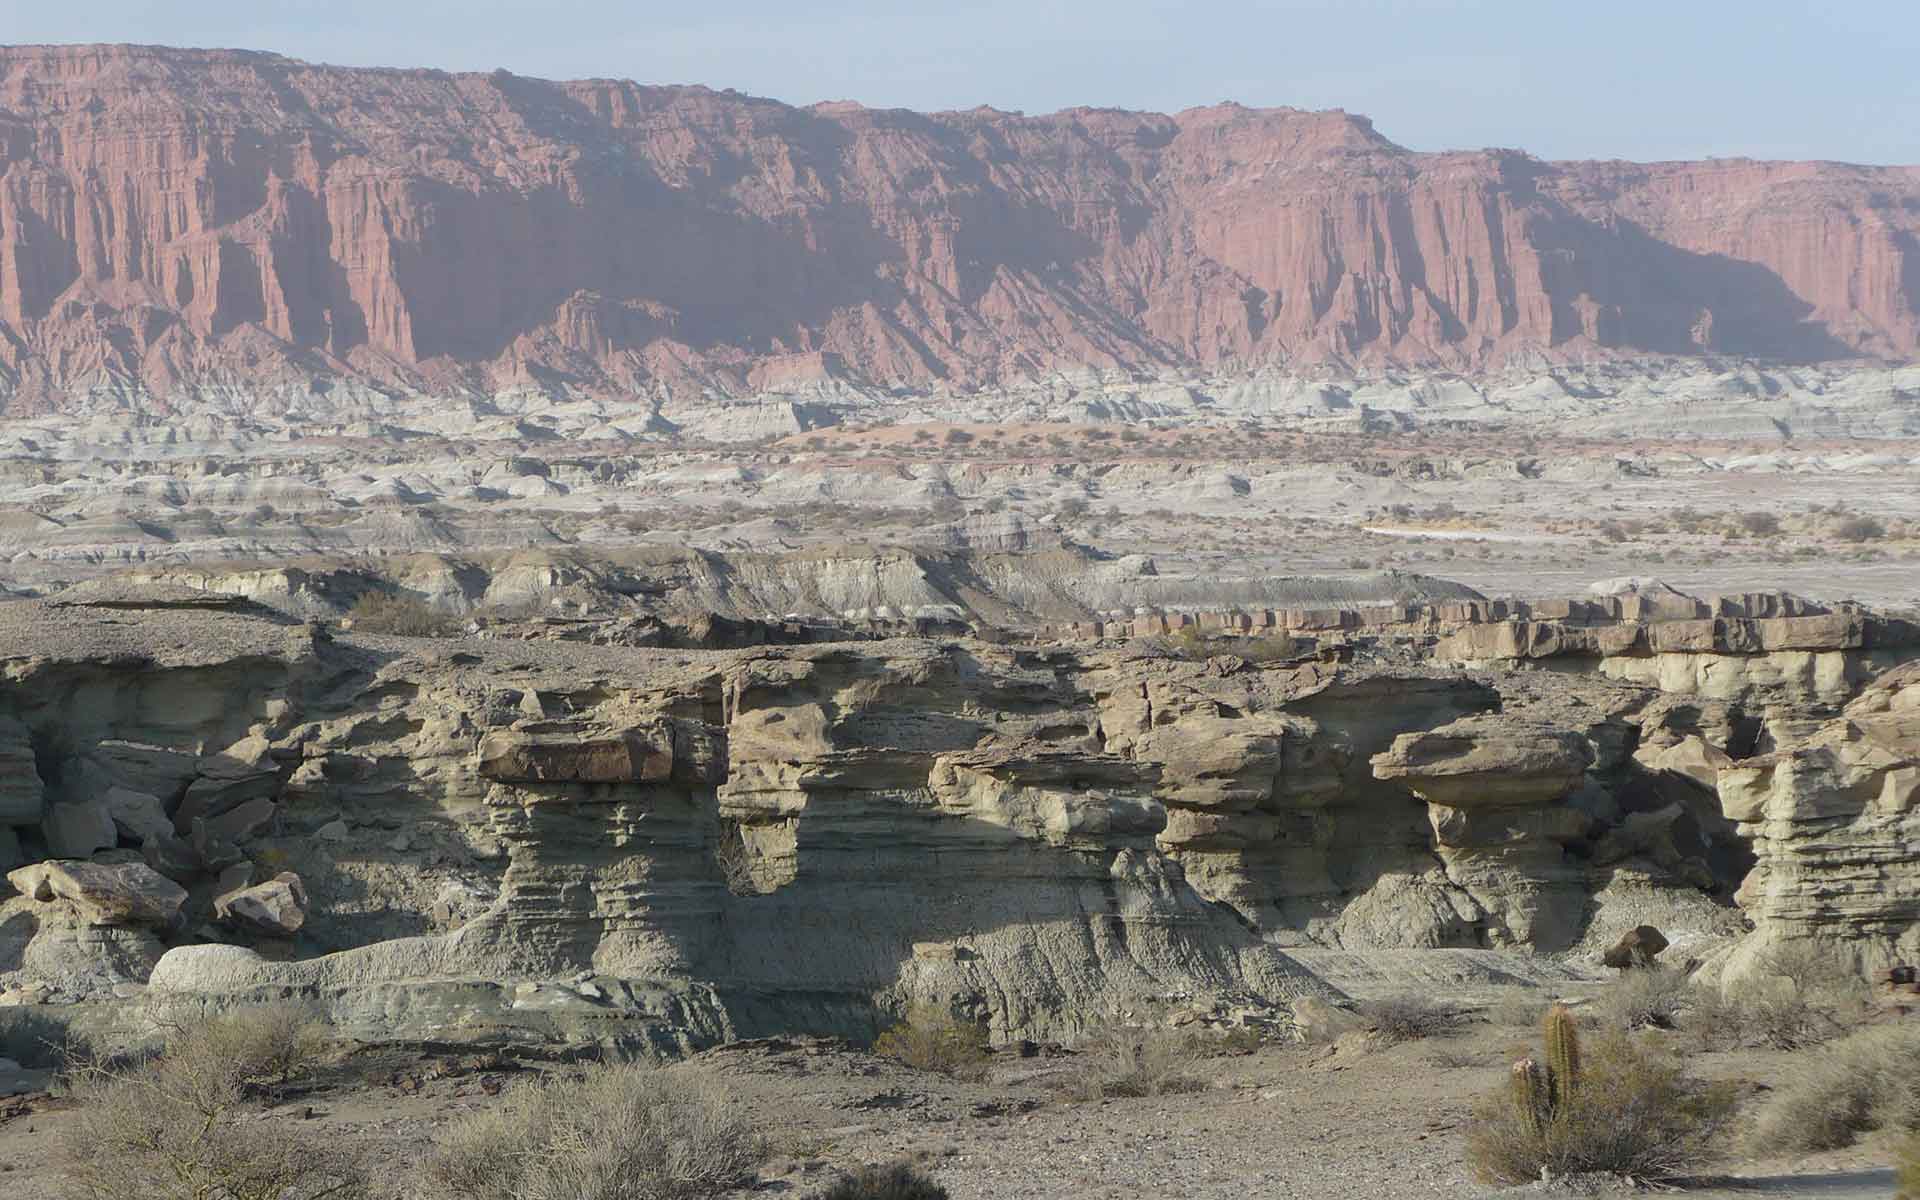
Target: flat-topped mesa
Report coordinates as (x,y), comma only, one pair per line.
(322,227)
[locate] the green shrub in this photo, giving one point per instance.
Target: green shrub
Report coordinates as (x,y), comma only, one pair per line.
(1135,1062)
(932,1039)
(896,1181)
(397,614)
(615,1133)
(1615,1110)
(1862,1082)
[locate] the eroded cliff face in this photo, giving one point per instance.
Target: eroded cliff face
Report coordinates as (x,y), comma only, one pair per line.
(212,223)
(1834,818)
(665,848)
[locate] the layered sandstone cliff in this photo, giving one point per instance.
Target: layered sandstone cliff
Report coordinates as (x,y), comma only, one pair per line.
(486,838)
(225,224)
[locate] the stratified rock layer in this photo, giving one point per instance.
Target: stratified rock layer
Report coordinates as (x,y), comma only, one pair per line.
(486,838)
(240,221)
(1834,816)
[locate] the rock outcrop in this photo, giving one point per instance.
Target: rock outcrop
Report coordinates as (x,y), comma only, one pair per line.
(222,224)
(659,848)
(1834,819)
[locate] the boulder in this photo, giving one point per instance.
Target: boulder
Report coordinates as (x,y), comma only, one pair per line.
(121,894)
(241,822)
(78,828)
(1487,761)
(137,816)
(1636,949)
(576,756)
(277,908)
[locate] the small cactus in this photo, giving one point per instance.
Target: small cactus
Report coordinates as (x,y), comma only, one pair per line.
(1531,1097)
(1563,1056)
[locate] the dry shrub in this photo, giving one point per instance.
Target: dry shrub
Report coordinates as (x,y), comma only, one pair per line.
(895,1181)
(1125,1062)
(1862,1082)
(1408,1018)
(1645,998)
(1630,1115)
(1799,996)
(266,1043)
(932,1039)
(615,1133)
(1519,1008)
(400,615)
(181,1126)
(1909,1167)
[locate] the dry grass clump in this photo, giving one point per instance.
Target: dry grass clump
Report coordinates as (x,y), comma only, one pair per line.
(400,615)
(1863,1082)
(895,1181)
(183,1125)
(1616,1111)
(1126,1062)
(1646,998)
(1408,1018)
(615,1133)
(932,1039)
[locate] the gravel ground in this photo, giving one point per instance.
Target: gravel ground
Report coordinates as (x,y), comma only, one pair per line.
(1280,1123)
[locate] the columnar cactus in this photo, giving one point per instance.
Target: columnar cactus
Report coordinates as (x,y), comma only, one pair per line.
(1563,1056)
(1542,1095)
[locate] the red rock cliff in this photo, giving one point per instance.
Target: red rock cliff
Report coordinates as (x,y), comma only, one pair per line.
(174,217)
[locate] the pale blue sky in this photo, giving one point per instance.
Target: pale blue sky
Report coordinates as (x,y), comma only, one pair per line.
(1562,78)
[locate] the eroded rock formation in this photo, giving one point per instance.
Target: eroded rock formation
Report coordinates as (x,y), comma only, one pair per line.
(474,838)
(228,225)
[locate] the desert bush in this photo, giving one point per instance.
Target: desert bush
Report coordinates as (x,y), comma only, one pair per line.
(1760,524)
(1646,998)
(180,1126)
(262,1044)
(1615,1111)
(400,615)
(1862,1082)
(932,1039)
(1124,1062)
(1909,1168)
(1408,1018)
(1859,529)
(1798,996)
(616,1133)
(1519,1008)
(895,1181)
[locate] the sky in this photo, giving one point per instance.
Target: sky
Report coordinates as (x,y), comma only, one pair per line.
(1560,78)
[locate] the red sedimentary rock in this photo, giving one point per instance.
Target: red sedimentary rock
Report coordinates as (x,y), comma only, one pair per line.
(190,217)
